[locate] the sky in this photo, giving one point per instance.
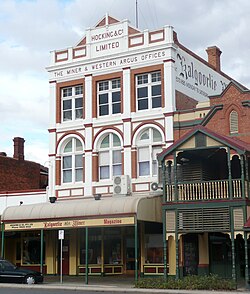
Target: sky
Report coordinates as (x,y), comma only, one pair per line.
(30,29)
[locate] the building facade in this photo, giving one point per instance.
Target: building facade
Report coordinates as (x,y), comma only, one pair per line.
(206,191)
(117,99)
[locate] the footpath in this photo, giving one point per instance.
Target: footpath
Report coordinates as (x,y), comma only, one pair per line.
(108,285)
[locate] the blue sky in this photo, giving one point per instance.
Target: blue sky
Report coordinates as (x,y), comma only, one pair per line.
(30,29)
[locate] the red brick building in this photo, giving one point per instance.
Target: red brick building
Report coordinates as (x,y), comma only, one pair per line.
(18,174)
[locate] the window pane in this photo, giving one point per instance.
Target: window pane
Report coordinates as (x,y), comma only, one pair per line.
(79,175)
(117,170)
(156,76)
(116,108)
(142,92)
(67,162)
(143,154)
(103,85)
(116,96)
(78,113)
(142,104)
(156,90)
(78,102)
(156,136)
(103,98)
(67,176)
(105,142)
(156,102)
(67,104)
(104,172)
(142,79)
(104,158)
(116,84)
(144,168)
(67,92)
(68,147)
(104,110)
(145,135)
(116,140)
(78,145)
(78,90)
(117,156)
(78,160)
(67,115)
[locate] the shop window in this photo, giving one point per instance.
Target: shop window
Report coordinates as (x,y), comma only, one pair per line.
(31,251)
(94,247)
(109,97)
(112,246)
(153,248)
(72,161)
(110,157)
(148,90)
(148,147)
(72,103)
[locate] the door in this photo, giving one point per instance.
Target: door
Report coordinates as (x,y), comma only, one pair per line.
(220,255)
(191,254)
(65,257)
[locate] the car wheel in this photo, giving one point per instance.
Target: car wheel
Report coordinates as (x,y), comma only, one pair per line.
(30,280)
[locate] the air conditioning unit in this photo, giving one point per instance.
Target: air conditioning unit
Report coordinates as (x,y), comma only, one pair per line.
(121,185)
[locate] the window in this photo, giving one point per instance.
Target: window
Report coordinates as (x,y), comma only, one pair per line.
(110,157)
(72,103)
(148,148)
(72,163)
(31,250)
(109,97)
(234,122)
(148,90)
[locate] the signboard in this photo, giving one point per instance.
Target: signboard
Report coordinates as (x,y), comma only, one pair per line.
(61,224)
(61,234)
(196,79)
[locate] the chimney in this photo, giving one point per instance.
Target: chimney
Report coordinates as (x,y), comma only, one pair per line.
(213,54)
(18,148)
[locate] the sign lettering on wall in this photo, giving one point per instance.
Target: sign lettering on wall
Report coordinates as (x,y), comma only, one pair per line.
(70,224)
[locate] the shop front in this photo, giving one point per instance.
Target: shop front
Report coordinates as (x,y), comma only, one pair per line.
(111,236)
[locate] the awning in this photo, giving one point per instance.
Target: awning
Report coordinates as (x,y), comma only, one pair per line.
(85,212)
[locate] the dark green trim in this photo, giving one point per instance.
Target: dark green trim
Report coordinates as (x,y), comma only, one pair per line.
(41,255)
(86,256)
(187,124)
(177,245)
(229,174)
(136,251)
(2,245)
(246,103)
(164,220)
(242,177)
(233,244)
(175,178)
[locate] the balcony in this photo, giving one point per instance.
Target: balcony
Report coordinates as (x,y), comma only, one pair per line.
(207,190)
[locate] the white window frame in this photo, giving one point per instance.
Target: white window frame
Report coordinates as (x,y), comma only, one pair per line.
(109,152)
(73,155)
(153,148)
(109,90)
(147,80)
(73,96)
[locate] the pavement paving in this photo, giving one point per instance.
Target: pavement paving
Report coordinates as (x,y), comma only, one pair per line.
(108,284)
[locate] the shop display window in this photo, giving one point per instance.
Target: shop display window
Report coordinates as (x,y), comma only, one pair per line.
(31,250)
(94,250)
(112,246)
(153,248)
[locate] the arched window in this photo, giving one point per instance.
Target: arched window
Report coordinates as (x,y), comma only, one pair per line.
(234,128)
(72,163)
(110,157)
(148,146)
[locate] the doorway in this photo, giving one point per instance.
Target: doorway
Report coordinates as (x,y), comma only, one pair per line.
(65,257)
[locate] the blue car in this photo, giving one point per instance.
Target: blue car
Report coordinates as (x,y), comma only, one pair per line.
(9,273)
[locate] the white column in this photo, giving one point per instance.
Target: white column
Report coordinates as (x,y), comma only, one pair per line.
(127,121)
(88,99)
(52,139)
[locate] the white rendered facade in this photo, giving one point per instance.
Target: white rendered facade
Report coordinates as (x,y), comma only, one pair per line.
(129,80)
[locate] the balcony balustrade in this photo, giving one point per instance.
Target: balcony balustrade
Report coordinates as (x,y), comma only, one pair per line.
(206,190)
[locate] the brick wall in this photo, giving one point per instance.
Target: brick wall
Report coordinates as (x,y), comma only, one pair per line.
(20,175)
